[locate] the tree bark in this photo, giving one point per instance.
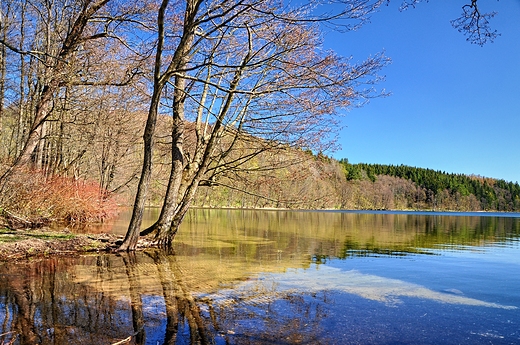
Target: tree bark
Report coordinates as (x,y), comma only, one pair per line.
(178,62)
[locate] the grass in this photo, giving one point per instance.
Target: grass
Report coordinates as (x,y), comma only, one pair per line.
(23,244)
(52,236)
(8,235)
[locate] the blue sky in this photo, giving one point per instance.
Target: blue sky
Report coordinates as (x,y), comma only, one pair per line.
(454,106)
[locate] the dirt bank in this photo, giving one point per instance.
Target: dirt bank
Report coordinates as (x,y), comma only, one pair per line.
(21,244)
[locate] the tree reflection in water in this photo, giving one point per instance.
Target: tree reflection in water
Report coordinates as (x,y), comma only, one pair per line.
(141,299)
(41,304)
(136,301)
(179,302)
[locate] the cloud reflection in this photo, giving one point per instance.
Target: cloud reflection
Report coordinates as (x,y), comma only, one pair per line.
(372,287)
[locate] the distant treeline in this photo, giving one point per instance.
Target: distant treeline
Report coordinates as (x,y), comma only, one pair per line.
(492,194)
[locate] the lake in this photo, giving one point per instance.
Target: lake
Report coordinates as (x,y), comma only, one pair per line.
(280,277)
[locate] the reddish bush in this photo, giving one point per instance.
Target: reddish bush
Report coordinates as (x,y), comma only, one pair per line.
(39,199)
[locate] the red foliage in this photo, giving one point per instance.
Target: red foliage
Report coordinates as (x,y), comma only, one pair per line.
(42,199)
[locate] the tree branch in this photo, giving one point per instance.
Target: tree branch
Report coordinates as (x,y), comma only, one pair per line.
(472,23)
(34,53)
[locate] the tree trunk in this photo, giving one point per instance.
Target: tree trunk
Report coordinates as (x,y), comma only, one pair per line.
(178,62)
(174,182)
(132,235)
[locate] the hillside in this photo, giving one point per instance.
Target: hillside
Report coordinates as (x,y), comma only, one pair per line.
(433,189)
(319,182)
(255,174)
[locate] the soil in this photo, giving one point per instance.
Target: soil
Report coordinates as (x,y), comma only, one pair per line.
(22,244)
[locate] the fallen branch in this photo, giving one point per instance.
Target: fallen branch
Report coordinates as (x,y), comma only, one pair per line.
(124,341)
(16,222)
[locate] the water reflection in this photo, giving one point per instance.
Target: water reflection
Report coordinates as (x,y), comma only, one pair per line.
(368,286)
(342,235)
(145,298)
(98,300)
(251,277)
(41,304)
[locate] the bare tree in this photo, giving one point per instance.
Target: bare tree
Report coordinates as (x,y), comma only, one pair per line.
(241,80)
(62,46)
(247,77)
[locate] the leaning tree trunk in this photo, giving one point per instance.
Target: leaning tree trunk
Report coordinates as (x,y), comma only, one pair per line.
(132,235)
(173,211)
(178,63)
(166,231)
(176,172)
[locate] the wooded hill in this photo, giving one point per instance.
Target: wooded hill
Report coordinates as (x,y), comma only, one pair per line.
(320,182)
(284,177)
(436,190)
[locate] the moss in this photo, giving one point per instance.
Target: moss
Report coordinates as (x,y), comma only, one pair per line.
(92,248)
(8,235)
(52,236)
(10,238)
(4,231)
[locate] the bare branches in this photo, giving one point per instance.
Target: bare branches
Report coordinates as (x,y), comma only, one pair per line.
(350,16)
(62,47)
(39,55)
(472,23)
(475,25)
(246,69)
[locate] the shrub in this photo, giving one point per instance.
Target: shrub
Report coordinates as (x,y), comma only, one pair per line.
(39,199)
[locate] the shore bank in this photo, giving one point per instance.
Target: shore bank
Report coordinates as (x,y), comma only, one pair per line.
(23,244)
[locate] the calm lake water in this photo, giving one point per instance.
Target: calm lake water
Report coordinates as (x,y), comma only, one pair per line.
(281,277)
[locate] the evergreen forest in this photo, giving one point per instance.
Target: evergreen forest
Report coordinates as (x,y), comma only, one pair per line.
(441,190)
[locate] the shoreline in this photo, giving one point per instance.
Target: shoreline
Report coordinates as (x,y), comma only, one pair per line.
(25,244)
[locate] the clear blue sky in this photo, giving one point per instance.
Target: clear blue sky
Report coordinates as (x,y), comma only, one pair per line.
(454,106)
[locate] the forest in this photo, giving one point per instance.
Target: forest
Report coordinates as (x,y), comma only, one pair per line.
(441,190)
